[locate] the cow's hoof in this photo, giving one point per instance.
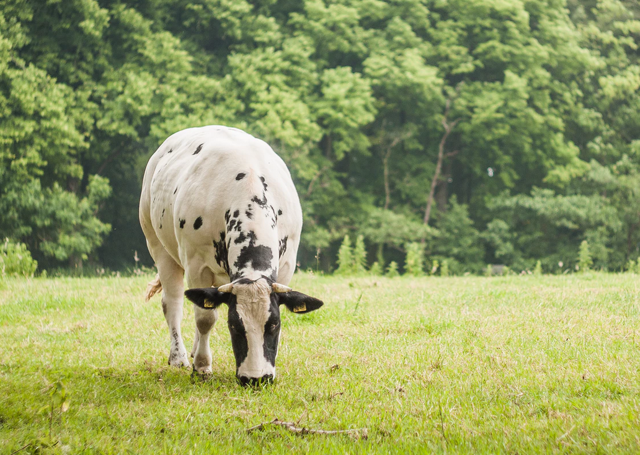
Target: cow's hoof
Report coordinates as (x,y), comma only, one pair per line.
(204,375)
(202,369)
(179,360)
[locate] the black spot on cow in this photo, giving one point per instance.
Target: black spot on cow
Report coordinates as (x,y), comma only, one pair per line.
(198,149)
(238,227)
(163,210)
(222,252)
(197,223)
(264,184)
(261,202)
(274,217)
(176,190)
(170,150)
(182,223)
(240,176)
(257,257)
(240,239)
(279,212)
(282,246)
(227,216)
(160,226)
(236,214)
(249,214)
(231,224)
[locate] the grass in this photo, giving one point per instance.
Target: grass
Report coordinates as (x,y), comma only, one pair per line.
(462,365)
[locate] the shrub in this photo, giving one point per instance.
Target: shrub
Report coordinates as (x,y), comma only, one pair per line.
(538,269)
(345,258)
(16,260)
(359,256)
(376,269)
(413,264)
(585,262)
(392,270)
(444,268)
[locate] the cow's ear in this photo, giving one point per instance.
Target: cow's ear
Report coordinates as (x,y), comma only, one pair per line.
(299,302)
(207,298)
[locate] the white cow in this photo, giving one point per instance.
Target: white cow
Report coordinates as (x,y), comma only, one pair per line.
(220,205)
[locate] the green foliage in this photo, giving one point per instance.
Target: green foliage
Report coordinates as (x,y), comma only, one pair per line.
(16,260)
(376,269)
(458,240)
(394,229)
(345,258)
(414,260)
(392,270)
(359,256)
(537,271)
(488,270)
(545,150)
(444,269)
(585,262)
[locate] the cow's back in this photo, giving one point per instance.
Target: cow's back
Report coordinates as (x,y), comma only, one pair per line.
(195,176)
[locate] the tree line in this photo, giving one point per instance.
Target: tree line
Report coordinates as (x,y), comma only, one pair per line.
(484,131)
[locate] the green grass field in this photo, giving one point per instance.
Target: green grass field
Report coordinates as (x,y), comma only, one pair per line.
(462,365)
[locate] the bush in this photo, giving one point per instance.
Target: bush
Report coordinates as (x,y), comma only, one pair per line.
(352,261)
(376,269)
(585,262)
(538,269)
(392,270)
(16,260)
(415,255)
(345,258)
(359,256)
(444,269)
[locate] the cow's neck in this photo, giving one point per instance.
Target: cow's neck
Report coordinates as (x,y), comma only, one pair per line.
(253,242)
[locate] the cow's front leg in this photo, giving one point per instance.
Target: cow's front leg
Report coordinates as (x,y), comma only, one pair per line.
(196,339)
(205,320)
(171,277)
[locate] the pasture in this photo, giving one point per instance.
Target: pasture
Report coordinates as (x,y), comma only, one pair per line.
(459,365)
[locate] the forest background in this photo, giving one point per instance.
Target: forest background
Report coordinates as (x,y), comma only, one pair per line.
(484,131)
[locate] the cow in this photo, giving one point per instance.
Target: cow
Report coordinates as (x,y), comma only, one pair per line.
(219,205)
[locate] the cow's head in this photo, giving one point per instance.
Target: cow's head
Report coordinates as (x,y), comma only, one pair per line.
(254,321)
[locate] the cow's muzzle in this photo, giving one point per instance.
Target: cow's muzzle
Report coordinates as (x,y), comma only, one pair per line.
(255,382)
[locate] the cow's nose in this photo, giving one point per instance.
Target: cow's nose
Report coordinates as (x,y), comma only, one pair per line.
(264,380)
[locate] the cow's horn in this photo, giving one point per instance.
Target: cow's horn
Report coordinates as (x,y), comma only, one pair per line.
(277,287)
(226,287)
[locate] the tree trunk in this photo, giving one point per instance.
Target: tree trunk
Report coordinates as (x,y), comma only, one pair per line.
(399,137)
(442,189)
(448,127)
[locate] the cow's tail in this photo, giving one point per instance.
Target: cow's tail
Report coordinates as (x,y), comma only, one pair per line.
(153,287)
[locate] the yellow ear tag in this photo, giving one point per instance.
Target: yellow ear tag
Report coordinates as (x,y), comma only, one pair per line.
(300,309)
(208,304)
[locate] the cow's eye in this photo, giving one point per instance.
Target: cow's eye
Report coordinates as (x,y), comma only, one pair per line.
(273,327)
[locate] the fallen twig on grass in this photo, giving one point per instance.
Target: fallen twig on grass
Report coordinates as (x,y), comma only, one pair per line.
(302,430)
(21,448)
